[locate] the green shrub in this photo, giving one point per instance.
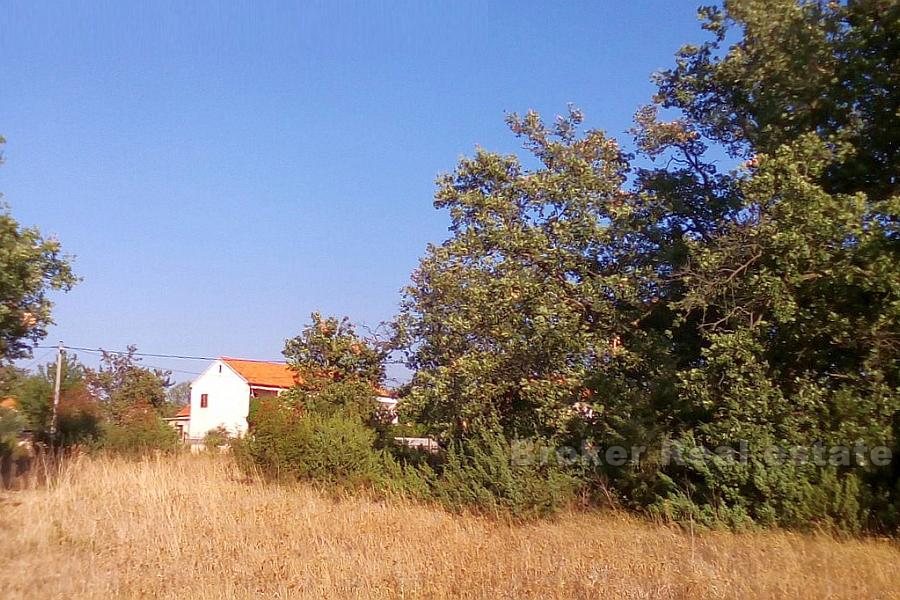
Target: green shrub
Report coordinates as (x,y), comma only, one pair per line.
(285,441)
(478,474)
(140,435)
(216,438)
(11,425)
(338,447)
(79,418)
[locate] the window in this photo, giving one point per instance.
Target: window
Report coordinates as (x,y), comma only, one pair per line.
(204,400)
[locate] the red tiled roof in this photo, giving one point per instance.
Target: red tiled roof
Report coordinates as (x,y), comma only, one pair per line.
(184,412)
(264,373)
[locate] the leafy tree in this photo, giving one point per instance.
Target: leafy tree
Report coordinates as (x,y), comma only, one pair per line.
(179,394)
(794,297)
(341,372)
(127,390)
(330,350)
(829,68)
(585,297)
(31,266)
(537,287)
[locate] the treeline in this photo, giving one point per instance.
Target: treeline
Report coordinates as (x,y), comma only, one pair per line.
(118,406)
(707,344)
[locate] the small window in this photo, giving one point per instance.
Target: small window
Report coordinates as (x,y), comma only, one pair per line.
(204,400)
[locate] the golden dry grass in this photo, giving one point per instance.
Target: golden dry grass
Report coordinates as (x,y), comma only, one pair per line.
(191,527)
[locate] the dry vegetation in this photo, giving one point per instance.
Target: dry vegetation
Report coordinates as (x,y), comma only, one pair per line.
(192,527)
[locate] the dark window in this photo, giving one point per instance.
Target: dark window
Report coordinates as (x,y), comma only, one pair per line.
(204,400)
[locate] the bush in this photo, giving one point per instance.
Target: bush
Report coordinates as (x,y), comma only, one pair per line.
(11,425)
(286,441)
(139,435)
(216,438)
(79,418)
(332,445)
(478,474)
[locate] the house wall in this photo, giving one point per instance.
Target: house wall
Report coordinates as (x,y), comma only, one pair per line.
(228,401)
(181,425)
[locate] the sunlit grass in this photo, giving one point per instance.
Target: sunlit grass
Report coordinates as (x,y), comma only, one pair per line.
(193,527)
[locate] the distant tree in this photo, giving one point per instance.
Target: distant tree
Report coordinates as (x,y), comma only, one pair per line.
(126,389)
(35,390)
(179,394)
(31,266)
(330,350)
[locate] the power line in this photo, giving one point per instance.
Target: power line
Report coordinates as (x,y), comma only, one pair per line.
(144,354)
(30,364)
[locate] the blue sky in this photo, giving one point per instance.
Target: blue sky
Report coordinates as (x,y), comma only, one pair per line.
(219,173)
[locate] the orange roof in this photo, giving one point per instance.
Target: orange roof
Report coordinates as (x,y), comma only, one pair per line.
(264,373)
(184,412)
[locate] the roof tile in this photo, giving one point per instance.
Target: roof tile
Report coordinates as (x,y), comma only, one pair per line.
(264,373)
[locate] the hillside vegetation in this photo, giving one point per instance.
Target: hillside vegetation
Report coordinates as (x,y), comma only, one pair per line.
(196,527)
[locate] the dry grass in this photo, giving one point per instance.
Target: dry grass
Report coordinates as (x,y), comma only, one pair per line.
(190,527)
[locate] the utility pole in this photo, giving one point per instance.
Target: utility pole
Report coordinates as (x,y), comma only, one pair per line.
(60,349)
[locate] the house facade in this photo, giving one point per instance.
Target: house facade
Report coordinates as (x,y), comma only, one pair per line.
(220,396)
(181,422)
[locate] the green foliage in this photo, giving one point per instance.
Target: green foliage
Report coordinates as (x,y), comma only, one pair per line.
(125,389)
(11,425)
(828,68)
(329,350)
(216,438)
(140,435)
(338,447)
(587,299)
(35,395)
(79,418)
(506,318)
(351,397)
(287,441)
(478,474)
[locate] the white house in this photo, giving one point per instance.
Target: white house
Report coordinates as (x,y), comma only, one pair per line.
(220,396)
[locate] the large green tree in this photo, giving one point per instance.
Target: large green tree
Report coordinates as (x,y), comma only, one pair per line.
(670,303)
(31,266)
(535,288)
(826,67)
(795,297)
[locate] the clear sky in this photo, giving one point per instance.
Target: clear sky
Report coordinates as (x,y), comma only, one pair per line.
(219,173)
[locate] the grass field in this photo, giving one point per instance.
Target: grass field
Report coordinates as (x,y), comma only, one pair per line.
(193,527)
